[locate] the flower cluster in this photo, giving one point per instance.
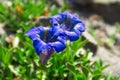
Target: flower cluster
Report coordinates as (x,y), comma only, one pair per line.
(46,40)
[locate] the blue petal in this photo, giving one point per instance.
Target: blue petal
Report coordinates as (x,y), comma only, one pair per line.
(33,36)
(76,20)
(62,39)
(64,17)
(59,32)
(80,27)
(34,32)
(31,31)
(38,45)
(54,22)
(77,32)
(50,33)
(40,30)
(68,15)
(58,17)
(58,46)
(72,36)
(53,34)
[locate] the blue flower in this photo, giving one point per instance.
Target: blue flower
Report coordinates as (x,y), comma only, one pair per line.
(45,42)
(67,25)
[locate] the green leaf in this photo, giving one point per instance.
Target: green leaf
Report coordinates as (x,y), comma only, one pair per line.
(71,67)
(7,57)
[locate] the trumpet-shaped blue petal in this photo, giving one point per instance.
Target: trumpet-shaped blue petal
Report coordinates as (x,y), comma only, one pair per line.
(34,32)
(80,27)
(77,32)
(62,39)
(38,45)
(58,46)
(72,36)
(60,17)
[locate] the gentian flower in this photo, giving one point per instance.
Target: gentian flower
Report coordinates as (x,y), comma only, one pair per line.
(45,42)
(67,25)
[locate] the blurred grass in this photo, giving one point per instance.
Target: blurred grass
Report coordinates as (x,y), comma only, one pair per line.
(18,60)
